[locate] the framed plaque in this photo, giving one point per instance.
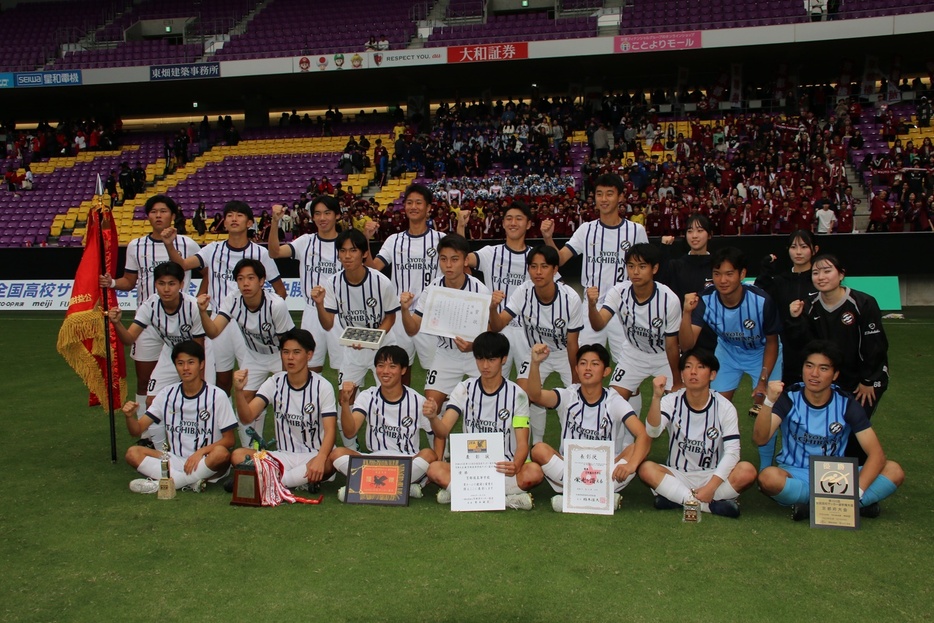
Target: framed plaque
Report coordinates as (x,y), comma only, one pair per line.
(588,477)
(245,488)
(834,492)
(475,483)
(382,480)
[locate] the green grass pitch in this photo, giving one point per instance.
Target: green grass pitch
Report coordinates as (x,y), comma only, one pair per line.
(77,545)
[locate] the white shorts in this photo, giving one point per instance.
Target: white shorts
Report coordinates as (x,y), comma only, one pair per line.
(259,367)
(422,344)
(617,486)
(148,346)
(696,480)
(557,362)
(291,460)
(448,369)
(635,366)
(228,348)
(519,349)
(354,364)
(165,373)
(612,333)
(177,465)
(326,342)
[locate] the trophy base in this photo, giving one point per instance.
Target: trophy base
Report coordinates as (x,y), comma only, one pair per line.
(245,488)
(166,489)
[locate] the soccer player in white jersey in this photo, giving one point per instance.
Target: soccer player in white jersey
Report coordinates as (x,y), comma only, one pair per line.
(650,316)
(174,317)
(452,359)
(413,257)
(703,442)
(219,258)
(586,411)
(262,319)
(488,404)
(394,415)
(602,245)
(504,268)
(317,262)
(357,296)
(304,409)
(546,312)
(199,424)
(142,256)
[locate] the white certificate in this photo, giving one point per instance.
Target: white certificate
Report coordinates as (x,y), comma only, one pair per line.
(452,313)
(588,477)
(475,483)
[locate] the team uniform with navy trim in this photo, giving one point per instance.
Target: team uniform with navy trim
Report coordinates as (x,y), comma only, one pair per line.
(645,328)
(503,411)
(449,365)
(603,253)
(701,444)
(299,414)
(604,420)
(182,325)
(317,263)
(260,328)
(220,259)
(143,254)
(191,422)
(414,263)
(546,323)
(364,304)
(741,334)
(505,270)
(392,428)
(815,431)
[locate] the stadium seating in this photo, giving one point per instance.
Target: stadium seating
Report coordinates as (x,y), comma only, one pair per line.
(514,27)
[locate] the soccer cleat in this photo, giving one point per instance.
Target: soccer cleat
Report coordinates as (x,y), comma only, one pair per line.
(870,512)
(520,501)
(309,487)
(800,512)
(197,486)
(415,490)
(144,485)
(228,484)
(145,442)
(341,493)
(725,508)
(444,496)
(557,503)
(664,504)
(617,501)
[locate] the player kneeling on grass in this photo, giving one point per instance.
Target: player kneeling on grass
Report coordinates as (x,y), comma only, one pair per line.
(261,317)
(304,409)
(357,296)
(489,404)
(394,415)
(199,425)
(703,442)
(586,411)
(816,418)
(171,315)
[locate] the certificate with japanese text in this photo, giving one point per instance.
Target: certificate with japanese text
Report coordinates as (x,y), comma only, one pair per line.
(454,313)
(588,476)
(475,483)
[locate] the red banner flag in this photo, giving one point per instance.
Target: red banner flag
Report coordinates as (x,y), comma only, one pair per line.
(81,340)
